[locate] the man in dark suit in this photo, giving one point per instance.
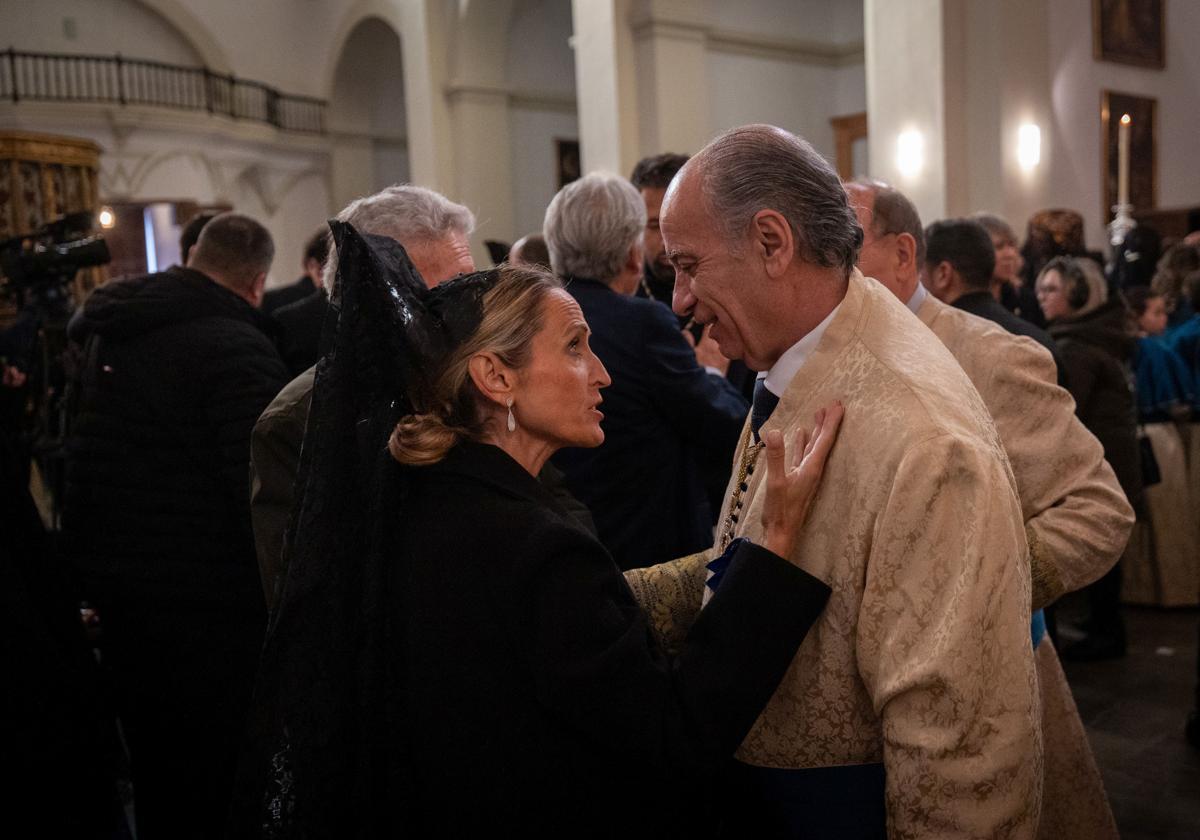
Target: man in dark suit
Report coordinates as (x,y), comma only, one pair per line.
(310,280)
(670,425)
(956,259)
(651,176)
(300,322)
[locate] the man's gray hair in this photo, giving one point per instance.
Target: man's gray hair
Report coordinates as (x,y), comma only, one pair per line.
(410,215)
(760,167)
(591,225)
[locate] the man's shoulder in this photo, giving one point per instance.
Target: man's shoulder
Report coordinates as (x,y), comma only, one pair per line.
(902,345)
(302,310)
(916,385)
(968,334)
(290,405)
(626,321)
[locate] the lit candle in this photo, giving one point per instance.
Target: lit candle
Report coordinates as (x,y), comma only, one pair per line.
(1123,160)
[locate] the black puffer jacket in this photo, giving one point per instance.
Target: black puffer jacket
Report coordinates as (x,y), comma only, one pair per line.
(176,369)
(1096,349)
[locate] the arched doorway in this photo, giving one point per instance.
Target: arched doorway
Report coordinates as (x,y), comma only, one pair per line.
(367,113)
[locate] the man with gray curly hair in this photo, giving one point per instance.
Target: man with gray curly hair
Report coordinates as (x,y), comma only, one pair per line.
(434,230)
(670,425)
(911,710)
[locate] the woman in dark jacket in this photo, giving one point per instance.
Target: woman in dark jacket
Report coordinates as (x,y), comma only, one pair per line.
(499,675)
(1096,338)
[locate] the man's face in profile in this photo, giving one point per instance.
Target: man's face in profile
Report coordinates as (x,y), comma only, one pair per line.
(440,259)
(656,256)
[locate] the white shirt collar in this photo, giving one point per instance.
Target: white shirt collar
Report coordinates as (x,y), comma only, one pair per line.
(788,365)
(918,297)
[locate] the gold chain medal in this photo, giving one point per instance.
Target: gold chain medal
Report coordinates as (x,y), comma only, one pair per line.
(745,470)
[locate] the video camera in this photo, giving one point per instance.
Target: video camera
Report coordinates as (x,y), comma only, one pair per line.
(50,257)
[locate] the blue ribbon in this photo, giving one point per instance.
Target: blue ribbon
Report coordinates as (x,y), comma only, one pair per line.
(1037,627)
(719,566)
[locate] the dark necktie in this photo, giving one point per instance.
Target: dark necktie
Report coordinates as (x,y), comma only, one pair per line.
(764,403)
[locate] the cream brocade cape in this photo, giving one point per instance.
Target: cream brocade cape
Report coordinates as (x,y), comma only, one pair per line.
(922,658)
(1077,521)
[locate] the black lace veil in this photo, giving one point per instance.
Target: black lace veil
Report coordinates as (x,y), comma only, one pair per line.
(323,758)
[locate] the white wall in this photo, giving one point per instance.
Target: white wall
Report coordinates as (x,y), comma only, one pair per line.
(539,57)
(799,97)
(540,64)
(833,21)
(534,163)
(759,82)
(102,27)
(285,43)
(1077,81)
(904,78)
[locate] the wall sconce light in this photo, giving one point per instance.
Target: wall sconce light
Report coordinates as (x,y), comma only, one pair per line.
(1029,146)
(910,153)
(106,217)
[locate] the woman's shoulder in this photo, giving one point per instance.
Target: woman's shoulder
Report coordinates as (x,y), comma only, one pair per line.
(1078,350)
(481,486)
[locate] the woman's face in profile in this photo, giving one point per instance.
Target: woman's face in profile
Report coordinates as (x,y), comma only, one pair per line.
(1052,295)
(1008,259)
(559,396)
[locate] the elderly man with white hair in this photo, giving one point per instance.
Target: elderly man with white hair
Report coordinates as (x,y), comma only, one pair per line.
(434,231)
(670,426)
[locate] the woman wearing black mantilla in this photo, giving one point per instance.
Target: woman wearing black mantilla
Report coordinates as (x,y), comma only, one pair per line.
(451,651)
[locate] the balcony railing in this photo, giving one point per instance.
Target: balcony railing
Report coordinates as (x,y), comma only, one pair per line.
(57,77)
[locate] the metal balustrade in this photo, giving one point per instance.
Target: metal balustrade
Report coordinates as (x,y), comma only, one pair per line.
(60,77)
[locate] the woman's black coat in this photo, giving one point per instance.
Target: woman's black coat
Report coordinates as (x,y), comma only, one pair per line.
(536,698)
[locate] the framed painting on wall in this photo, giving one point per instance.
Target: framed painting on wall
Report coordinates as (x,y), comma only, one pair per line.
(1129,32)
(1143,152)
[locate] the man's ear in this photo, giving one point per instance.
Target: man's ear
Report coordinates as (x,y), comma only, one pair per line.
(941,278)
(634,259)
(906,254)
(258,288)
(772,239)
(494,379)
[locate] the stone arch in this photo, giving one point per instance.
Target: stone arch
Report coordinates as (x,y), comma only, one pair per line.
(191,30)
(367,116)
(382,10)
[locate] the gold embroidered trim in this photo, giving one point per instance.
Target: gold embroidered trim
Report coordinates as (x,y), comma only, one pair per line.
(745,468)
(1047,584)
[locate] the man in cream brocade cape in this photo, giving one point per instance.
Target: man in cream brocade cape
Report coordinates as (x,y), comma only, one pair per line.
(1077,524)
(922,659)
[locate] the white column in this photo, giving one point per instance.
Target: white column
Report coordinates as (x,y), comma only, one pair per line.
(673,112)
(963,76)
(905,70)
(482,141)
(424,45)
(605,87)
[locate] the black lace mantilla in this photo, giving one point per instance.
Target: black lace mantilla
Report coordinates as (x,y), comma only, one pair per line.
(323,759)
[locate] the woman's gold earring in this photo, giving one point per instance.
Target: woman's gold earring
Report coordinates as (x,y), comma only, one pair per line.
(512,421)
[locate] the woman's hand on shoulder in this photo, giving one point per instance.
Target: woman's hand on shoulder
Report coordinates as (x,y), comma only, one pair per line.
(794,476)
